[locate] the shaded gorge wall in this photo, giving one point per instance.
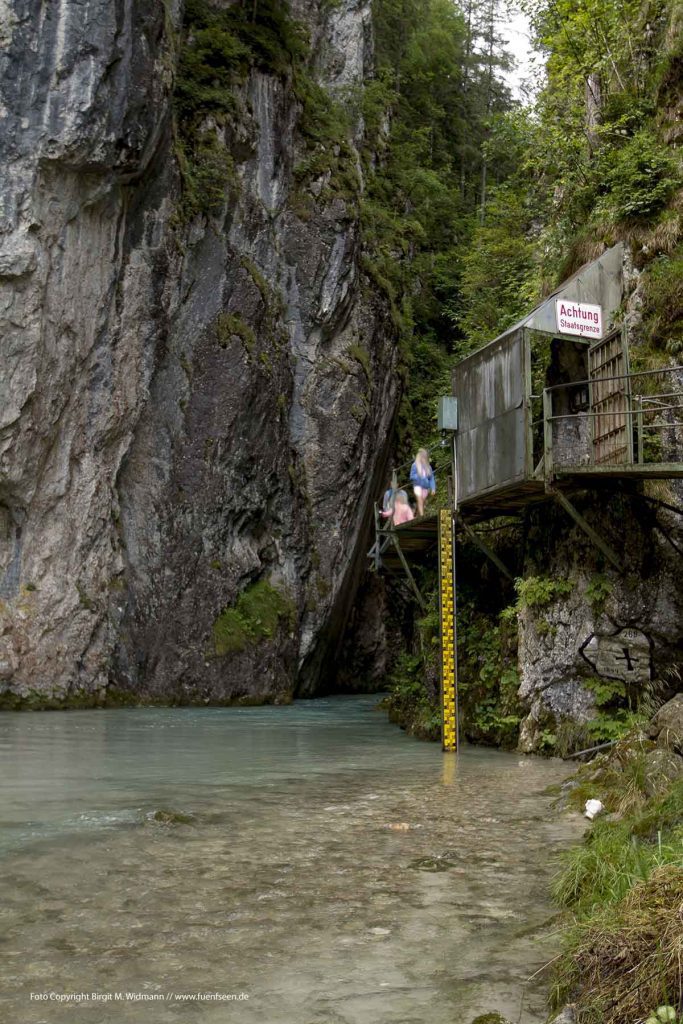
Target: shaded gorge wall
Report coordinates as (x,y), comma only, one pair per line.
(198,379)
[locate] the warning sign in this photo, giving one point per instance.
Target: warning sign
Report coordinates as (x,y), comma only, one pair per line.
(578,318)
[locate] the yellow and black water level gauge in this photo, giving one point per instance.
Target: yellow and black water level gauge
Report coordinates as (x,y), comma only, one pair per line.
(449,670)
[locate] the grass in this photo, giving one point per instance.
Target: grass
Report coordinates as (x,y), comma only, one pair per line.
(610,863)
(663,303)
(627,958)
(623,892)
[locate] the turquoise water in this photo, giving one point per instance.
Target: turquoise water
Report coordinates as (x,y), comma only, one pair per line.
(333,870)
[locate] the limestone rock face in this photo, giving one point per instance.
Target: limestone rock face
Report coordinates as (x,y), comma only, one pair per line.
(188,406)
(610,629)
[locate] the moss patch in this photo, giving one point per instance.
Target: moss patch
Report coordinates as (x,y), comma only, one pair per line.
(362,356)
(256,616)
(229,325)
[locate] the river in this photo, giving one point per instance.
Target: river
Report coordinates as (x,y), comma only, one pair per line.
(332,870)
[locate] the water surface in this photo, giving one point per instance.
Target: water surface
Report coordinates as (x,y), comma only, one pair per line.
(334,871)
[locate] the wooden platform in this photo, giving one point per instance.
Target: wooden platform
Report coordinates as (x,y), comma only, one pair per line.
(416,539)
(629,471)
(509,501)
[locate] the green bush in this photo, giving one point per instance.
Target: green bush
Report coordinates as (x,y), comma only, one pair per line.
(488,678)
(409,702)
(541,591)
(663,303)
(640,179)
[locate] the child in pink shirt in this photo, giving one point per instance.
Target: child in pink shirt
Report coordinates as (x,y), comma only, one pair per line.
(403,513)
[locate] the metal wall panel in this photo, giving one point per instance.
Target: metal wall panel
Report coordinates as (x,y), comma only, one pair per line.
(599,282)
(491,443)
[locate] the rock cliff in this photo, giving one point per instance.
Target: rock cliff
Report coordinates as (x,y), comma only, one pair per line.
(609,639)
(196,398)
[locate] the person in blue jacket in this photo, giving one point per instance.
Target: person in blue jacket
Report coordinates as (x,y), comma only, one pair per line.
(422,479)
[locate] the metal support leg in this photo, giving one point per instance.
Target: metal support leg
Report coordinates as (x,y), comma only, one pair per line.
(483,546)
(601,544)
(411,578)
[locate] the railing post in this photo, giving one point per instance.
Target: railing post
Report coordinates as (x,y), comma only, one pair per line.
(548,437)
(378,540)
(639,427)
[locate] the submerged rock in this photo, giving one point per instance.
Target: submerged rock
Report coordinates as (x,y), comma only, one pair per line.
(565,1016)
(168,817)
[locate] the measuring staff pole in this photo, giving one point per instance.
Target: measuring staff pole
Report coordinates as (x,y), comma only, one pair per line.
(447,608)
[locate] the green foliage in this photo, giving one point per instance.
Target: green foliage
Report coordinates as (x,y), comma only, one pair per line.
(427,114)
(597,592)
(541,591)
(488,678)
(605,691)
(219,46)
(639,178)
(496,270)
(663,303)
(660,814)
(599,161)
(409,703)
(260,610)
(610,725)
(664,1015)
(611,861)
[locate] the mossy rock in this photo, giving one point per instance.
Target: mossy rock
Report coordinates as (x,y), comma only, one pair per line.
(167,817)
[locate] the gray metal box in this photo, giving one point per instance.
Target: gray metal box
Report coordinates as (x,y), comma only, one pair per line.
(447,417)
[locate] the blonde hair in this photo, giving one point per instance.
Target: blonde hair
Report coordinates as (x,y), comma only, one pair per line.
(422,458)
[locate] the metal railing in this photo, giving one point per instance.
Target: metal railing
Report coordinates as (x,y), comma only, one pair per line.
(630,420)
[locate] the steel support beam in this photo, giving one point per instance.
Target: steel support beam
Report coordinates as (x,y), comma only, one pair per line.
(411,578)
(483,546)
(594,536)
